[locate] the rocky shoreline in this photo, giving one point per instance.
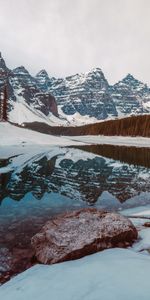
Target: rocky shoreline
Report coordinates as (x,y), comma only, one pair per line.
(69,236)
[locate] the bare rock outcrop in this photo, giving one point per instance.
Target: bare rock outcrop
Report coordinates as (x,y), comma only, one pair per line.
(79,233)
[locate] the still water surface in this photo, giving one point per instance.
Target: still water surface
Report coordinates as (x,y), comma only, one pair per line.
(37,187)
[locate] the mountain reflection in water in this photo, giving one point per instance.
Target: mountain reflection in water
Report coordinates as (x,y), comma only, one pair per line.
(82,173)
(36,185)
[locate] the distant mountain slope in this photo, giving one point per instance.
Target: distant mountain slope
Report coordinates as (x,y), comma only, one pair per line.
(75,100)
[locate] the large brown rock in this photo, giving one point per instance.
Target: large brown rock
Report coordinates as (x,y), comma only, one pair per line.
(79,233)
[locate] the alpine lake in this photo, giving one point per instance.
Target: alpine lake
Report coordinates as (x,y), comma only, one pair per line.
(37,186)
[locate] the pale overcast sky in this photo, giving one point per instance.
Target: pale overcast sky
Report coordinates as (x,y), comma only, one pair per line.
(71,36)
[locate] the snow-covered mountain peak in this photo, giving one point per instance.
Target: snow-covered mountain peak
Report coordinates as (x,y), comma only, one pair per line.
(135,85)
(43,81)
(131,80)
(43,73)
(95,73)
(129,77)
(92,79)
(21,70)
(96,70)
(3,67)
(96,79)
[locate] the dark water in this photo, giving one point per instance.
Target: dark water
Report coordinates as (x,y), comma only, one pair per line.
(31,192)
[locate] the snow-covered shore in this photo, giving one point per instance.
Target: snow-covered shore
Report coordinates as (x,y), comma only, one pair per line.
(113,140)
(109,275)
(12,135)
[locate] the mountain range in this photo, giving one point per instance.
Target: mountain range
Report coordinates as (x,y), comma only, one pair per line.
(76,100)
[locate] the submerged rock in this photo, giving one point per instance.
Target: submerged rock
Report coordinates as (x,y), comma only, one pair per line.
(5,260)
(79,233)
(14,261)
(147,224)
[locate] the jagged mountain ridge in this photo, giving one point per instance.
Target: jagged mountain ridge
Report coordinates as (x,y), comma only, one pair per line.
(90,94)
(24,94)
(86,94)
(131,96)
(79,99)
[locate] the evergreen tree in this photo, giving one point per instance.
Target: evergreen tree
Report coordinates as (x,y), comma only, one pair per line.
(0,106)
(5,105)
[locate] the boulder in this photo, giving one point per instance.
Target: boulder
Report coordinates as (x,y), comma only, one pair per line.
(147,224)
(82,232)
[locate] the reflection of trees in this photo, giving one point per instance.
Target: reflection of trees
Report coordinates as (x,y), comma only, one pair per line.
(4,179)
(82,179)
(131,155)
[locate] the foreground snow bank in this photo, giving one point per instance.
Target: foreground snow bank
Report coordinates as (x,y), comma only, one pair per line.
(112,274)
(13,135)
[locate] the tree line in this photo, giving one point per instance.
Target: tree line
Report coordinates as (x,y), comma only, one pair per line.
(130,126)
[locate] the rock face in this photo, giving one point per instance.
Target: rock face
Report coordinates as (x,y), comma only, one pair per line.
(25,87)
(79,233)
(23,90)
(131,96)
(90,94)
(14,262)
(86,94)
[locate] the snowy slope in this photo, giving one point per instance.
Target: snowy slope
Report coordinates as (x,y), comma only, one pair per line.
(108,275)
(12,135)
(23,113)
